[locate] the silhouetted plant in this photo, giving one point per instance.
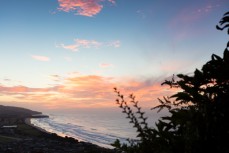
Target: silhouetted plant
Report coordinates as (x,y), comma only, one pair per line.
(138,119)
(199,113)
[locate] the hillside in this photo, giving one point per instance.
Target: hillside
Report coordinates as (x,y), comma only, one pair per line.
(15,112)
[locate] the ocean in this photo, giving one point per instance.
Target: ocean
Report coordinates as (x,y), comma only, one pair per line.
(98,127)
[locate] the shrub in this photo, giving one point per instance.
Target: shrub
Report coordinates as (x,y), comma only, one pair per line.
(199,113)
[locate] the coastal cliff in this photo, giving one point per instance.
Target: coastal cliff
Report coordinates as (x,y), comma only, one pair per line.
(17,136)
(11,111)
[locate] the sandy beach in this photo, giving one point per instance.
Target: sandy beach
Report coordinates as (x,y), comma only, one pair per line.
(27,138)
(20,136)
(28,122)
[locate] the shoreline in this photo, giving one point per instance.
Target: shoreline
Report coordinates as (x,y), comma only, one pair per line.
(28,122)
(19,135)
(29,138)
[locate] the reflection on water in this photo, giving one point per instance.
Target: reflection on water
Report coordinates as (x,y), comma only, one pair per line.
(98,127)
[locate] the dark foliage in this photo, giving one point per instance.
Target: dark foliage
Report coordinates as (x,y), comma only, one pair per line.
(199,120)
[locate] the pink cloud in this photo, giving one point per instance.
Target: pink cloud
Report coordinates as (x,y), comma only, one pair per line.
(73,47)
(112,1)
(83,43)
(40,58)
(207,8)
(105,65)
(80,91)
(22,89)
(82,7)
(182,24)
(87,43)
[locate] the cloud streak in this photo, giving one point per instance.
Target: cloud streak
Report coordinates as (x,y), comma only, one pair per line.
(80,91)
(82,43)
(115,44)
(86,44)
(183,22)
(105,65)
(112,1)
(40,58)
(82,7)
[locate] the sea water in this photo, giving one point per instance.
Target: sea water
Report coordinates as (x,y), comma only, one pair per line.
(97,127)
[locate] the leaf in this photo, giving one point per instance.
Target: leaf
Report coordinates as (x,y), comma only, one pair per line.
(116,143)
(216,57)
(166,118)
(226,55)
(180,75)
(218,28)
(225,19)
(226,26)
(182,96)
(198,74)
(227,13)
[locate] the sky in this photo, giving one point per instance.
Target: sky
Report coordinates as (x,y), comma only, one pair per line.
(70,54)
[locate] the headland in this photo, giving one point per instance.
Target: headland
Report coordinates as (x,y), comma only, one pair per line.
(18,135)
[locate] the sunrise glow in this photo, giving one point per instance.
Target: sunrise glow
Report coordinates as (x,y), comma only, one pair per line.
(69,54)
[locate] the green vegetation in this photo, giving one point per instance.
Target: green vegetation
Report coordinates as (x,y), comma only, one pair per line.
(199,113)
(22,131)
(6,139)
(25,129)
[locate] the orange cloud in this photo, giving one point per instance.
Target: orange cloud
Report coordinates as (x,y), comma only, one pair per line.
(82,7)
(19,89)
(105,65)
(40,58)
(82,91)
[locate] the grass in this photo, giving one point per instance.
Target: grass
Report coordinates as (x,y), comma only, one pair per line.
(22,131)
(6,139)
(29,130)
